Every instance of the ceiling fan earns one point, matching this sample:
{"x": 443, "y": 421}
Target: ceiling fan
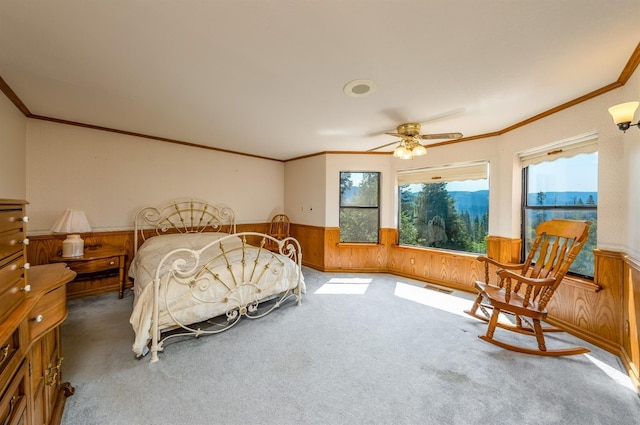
{"x": 411, "y": 145}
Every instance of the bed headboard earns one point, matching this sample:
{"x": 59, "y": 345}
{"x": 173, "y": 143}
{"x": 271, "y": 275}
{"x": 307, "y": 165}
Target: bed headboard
{"x": 191, "y": 216}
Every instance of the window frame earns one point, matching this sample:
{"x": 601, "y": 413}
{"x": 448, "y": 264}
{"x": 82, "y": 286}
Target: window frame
{"x": 584, "y": 144}
{"x": 342, "y": 207}
{"x": 454, "y": 172}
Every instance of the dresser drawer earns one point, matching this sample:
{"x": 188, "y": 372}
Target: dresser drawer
{"x": 11, "y": 242}
{"x": 12, "y": 285}
{"x": 10, "y": 356}
{"x": 96, "y": 265}
{"x": 49, "y": 311}
{"x": 13, "y": 404}
{"x": 11, "y": 219}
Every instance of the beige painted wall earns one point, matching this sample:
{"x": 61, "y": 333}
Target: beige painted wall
{"x": 305, "y": 189}
{"x": 13, "y": 134}
{"x": 631, "y": 161}
{"x": 586, "y": 117}
{"x": 111, "y": 176}
{"x": 618, "y": 171}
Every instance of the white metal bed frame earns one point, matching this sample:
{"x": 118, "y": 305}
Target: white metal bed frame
{"x": 186, "y": 267}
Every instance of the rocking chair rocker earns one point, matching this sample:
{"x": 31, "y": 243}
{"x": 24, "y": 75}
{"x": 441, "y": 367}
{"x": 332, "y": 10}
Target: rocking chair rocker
{"x": 524, "y": 290}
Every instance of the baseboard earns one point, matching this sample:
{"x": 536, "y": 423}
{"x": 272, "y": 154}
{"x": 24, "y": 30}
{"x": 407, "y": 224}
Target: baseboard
{"x": 589, "y": 337}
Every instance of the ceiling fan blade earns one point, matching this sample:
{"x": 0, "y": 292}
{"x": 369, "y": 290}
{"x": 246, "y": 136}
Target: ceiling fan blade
{"x": 399, "y": 135}
{"x": 443, "y": 115}
{"x": 384, "y": 146}
{"x": 396, "y": 114}
{"x": 401, "y": 116}
{"x": 441, "y": 136}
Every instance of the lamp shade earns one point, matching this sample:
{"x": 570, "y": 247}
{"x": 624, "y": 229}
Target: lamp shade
{"x": 623, "y": 112}
{"x": 72, "y": 221}
{"x": 419, "y": 150}
{"x": 400, "y": 152}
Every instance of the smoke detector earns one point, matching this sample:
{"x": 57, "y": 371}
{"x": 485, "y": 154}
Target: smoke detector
{"x": 359, "y": 88}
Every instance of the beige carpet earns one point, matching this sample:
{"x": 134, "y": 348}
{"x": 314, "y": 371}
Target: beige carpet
{"x": 386, "y": 351}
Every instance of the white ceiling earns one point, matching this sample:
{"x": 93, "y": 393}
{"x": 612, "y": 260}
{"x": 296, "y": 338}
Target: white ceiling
{"x": 266, "y": 77}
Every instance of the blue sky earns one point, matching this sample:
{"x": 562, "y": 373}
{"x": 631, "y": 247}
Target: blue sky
{"x": 578, "y": 173}
{"x": 575, "y": 174}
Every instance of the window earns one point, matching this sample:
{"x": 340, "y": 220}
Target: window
{"x": 359, "y": 207}
{"x": 445, "y": 207}
{"x": 562, "y": 182}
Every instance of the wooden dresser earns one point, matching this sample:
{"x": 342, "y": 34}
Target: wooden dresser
{"x": 32, "y": 307}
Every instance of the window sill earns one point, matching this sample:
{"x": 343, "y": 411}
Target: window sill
{"x": 440, "y": 251}
{"x": 583, "y": 283}
{"x": 358, "y": 245}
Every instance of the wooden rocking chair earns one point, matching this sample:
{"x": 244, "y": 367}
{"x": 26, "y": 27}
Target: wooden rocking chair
{"x": 279, "y": 229}
{"x": 524, "y": 290}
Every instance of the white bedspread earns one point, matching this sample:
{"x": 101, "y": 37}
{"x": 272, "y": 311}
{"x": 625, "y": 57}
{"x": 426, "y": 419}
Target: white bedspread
{"x": 197, "y": 298}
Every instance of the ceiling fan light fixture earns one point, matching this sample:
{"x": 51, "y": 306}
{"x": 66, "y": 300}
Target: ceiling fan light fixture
{"x": 409, "y": 150}
{"x": 410, "y": 144}
{"x": 401, "y": 152}
{"x": 419, "y": 150}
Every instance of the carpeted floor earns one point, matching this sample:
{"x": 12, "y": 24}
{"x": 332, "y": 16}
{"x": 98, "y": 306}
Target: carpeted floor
{"x": 386, "y": 351}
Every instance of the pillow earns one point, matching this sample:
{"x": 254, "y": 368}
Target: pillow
{"x": 168, "y": 243}
{"x": 154, "y": 248}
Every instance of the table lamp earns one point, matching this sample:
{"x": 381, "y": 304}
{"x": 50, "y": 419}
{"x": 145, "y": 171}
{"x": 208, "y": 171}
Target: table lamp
{"x": 72, "y": 222}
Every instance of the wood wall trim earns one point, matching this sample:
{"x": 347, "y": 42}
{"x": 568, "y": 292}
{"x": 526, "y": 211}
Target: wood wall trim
{"x": 631, "y": 66}
{"x": 13, "y": 97}
{"x": 626, "y": 73}
{"x": 146, "y": 136}
{"x": 632, "y": 262}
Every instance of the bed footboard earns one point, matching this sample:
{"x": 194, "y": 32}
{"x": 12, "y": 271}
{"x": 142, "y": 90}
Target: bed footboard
{"x": 206, "y": 291}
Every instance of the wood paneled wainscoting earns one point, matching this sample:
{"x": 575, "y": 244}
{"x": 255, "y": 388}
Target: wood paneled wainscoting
{"x": 605, "y": 311}
{"x": 631, "y": 319}
{"x": 42, "y": 248}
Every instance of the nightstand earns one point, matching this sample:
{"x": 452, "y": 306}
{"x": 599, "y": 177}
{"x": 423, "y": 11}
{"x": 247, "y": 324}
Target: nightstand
{"x": 97, "y": 263}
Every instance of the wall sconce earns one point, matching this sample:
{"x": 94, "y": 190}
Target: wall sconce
{"x": 72, "y": 221}
{"x": 623, "y": 115}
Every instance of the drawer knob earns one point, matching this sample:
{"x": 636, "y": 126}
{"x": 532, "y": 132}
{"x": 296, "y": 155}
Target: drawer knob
{"x": 27, "y": 288}
{"x": 25, "y": 241}
{"x": 26, "y": 266}
{"x": 39, "y": 318}
{"x": 24, "y": 219}
{"x": 111, "y": 263}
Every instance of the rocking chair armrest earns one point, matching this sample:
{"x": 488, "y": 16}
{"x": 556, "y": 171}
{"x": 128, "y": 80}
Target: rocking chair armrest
{"x": 505, "y": 274}
{"x": 507, "y": 266}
